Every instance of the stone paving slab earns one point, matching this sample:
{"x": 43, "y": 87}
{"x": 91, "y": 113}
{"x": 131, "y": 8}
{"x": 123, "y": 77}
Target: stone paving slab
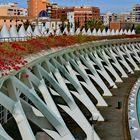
{"x": 115, "y": 126}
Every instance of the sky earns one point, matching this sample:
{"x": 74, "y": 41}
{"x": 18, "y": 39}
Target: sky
{"x": 104, "y": 5}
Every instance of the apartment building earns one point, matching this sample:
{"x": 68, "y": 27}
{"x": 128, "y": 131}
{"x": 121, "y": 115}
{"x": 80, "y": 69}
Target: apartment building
{"x": 81, "y": 13}
{"x": 116, "y": 17}
{"x": 12, "y": 9}
{"x": 136, "y": 13}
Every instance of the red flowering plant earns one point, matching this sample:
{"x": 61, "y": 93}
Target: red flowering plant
{"x": 11, "y": 57}
{"x": 12, "y": 54}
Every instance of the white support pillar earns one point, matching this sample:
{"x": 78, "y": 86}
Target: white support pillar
{"x": 56, "y": 122}
{"x": 22, "y": 122}
{"x": 80, "y": 94}
{"x": 116, "y": 63}
{"x": 43, "y": 89}
{"x": 38, "y": 118}
{"x": 73, "y": 109}
{"x": 48, "y": 99}
{"x": 130, "y": 59}
{"x": 87, "y": 84}
{"x": 135, "y": 52}
{"x": 102, "y": 70}
{"x": 83, "y": 123}
{"x": 3, "y": 134}
{"x": 16, "y": 110}
{"x": 109, "y": 67}
{"x": 123, "y": 61}
{"x": 95, "y": 76}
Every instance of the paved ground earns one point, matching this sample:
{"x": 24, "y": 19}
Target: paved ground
{"x": 115, "y": 126}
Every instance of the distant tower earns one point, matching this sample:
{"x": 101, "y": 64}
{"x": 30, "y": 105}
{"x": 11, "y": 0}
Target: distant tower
{"x": 36, "y": 6}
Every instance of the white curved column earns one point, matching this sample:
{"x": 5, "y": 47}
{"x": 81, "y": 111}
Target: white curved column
{"x": 88, "y": 84}
{"x": 16, "y": 110}
{"x": 56, "y": 122}
{"x": 116, "y": 63}
{"x": 102, "y": 70}
{"x": 135, "y": 52}
{"x": 3, "y": 134}
{"x": 13, "y": 32}
{"x": 109, "y": 67}
{"x": 73, "y": 109}
{"x": 82, "y": 96}
{"x": 123, "y": 61}
{"x": 130, "y": 59}
{"x": 95, "y": 75}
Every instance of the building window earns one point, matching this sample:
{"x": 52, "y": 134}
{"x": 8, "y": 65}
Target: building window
{"x": 10, "y": 9}
{"x": 52, "y": 25}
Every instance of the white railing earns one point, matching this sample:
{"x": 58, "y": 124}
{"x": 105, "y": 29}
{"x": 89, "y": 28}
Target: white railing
{"x": 134, "y": 125}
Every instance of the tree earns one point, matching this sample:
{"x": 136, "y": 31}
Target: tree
{"x": 26, "y": 24}
{"x": 77, "y": 24}
{"x": 95, "y": 24}
{"x": 68, "y": 26}
{"x": 63, "y": 19}
{"x": 137, "y": 28}
{"x": 86, "y": 22}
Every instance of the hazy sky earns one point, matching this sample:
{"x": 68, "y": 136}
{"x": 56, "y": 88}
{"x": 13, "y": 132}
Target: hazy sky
{"x": 104, "y": 5}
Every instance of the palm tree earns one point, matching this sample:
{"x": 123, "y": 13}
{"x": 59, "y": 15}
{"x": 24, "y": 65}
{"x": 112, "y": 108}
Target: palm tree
{"x": 77, "y": 24}
{"x": 63, "y": 19}
{"x": 95, "y": 24}
{"x": 26, "y": 24}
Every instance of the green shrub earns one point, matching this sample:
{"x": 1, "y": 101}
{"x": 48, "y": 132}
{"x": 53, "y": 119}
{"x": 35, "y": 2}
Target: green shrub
{"x": 137, "y": 29}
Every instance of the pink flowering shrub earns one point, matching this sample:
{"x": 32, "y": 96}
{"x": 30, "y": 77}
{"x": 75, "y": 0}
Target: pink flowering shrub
{"x": 12, "y": 54}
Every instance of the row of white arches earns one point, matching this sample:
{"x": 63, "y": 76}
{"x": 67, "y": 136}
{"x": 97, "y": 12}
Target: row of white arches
{"x": 12, "y": 32}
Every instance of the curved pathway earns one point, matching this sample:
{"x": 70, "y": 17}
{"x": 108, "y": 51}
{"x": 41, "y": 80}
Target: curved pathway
{"x": 115, "y": 126}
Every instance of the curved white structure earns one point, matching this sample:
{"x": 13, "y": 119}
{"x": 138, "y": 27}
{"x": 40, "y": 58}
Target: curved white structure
{"x": 134, "y": 126}
{"x": 29, "y": 31}
{"x": 94, "y": 32}
{"x": 83, "y": 31}
{"x": 89, "y": 32}
{"x": 37, "y": 31}
{"x": 13, "y": 32}
{"x": 99, "y": 33}
{"x": 66, "y": 31}
{"x": 69, "y": 75}
{"x": 77, "y": 31}
{"x": 22, "y": 32}
{"x": 5, "y": 32}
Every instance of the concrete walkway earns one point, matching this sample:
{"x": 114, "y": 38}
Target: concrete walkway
{"x": 115, "y": 126}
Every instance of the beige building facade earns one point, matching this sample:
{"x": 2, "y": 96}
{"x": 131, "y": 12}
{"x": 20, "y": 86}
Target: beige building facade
{"x": 12, "y": 9}
{"x": 136, "y": 13}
